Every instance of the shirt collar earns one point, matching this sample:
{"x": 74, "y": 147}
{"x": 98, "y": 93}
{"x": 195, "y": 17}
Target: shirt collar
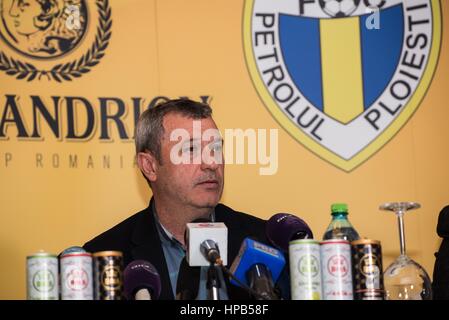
{"x": 167, "y": 235}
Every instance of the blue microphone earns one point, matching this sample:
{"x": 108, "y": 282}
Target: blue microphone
{"x": 258, "y": 266}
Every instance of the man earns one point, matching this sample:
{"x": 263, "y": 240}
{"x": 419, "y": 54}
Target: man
{"x": 179, "y": 151}
{"x": 440, "y": 285}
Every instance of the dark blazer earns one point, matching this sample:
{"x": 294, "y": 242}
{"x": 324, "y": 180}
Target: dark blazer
{"x": 137, "y": 238}
{"x": 440, "y": 283}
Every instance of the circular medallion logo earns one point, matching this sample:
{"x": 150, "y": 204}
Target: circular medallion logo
{"x": 43, "y": 28}
{"x": 338, "y": 266}
{"x": 44, "y": 39}
{"x": 44, "y": 281}
{"x": 368, "y": 266}
{"x": 308, "y": 266}
{"x": 77, "y": 279}
{"x": 110, "y": 278}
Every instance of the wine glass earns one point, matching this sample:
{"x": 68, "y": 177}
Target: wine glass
{"x": 405, "y": 279}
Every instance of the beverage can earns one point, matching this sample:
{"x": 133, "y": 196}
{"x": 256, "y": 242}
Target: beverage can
{"x": 305, "y": 269}
{"x": 76, "y": 276}
{"x": 336, "y": 270}
{"x": 108, "y": 275}
{"x": 367, "y": 268}
{"x": 42, "y": 276}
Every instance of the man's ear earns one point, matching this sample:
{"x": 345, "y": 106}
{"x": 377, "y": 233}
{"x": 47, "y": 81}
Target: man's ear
{"x": 148, "y": 164}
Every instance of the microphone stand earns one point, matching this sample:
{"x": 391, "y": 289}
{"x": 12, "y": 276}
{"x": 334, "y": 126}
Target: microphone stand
{"x": 213, "y": 283}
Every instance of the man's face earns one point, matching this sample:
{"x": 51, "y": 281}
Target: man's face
{"x": 24, "y": 14}
{"x": 198, "y": 180}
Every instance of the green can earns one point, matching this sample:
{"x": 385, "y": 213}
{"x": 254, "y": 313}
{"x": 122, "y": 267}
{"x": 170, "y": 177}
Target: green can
{"x": 305, "y": 269}
{"x": 42, "y": 276}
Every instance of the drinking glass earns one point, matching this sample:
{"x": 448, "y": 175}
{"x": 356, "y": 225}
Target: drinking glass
{"x": 405, "y": 279}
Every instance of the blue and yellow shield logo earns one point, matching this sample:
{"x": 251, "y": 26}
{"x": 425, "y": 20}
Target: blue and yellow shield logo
{"x": 342, "y": 76}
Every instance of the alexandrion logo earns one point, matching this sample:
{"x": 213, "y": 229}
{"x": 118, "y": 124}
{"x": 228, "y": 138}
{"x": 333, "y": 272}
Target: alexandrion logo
{"x": 46, "y": 37}
{"x": 339, "y": 83}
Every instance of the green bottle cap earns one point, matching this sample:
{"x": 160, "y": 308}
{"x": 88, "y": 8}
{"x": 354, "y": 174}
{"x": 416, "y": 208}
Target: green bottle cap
{"x": 339, "y": 207}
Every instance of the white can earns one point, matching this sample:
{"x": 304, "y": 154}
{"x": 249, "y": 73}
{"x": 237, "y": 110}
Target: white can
{"x": 305, "y": 269}
{"x": 76, "y": 276}
{"x": 336, "y": 269}
{"x": 42, "y": 276}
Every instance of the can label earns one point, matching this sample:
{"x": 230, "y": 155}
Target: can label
{"x": 76, "y": 277}
{"x": 305, "y": 270}
{"x": 42, "y": 277}
{"x": 336, "y": 270}
{"x": 367, "y": 267}
{"x": 108, "y": 270}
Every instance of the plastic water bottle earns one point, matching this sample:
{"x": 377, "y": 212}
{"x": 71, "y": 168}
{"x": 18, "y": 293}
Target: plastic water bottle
{"x": 340, "y": 227}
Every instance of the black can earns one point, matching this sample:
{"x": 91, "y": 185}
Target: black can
{"x": 367, "y": 270}
{"x": 108, "y": 275}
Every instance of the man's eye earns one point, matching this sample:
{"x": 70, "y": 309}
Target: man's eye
{"x": 190, "y": 149}
{"x": 217, "y": 147}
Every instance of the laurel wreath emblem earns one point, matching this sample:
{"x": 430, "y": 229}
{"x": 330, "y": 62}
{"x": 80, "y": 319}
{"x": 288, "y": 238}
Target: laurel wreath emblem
{"x": 69, "y": 70}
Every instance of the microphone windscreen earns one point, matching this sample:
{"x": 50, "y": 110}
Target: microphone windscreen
{"x": 140, "y": 274}
{"x": 188, "y": 282}
{"x": 284, "y": 227}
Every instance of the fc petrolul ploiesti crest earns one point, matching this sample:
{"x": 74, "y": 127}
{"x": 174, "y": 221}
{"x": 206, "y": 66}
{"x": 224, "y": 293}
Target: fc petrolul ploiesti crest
{"x": 53, "y": 39}
{"x": 342, "y": 76}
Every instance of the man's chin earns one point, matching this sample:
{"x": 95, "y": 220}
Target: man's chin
{"x": 209, "y": 203}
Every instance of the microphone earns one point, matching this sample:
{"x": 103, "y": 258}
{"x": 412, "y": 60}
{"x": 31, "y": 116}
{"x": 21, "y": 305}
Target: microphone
{"x": 210, "y": 251}
{"x": 258, "y": 266}
{"x": 207, "y": 243}
{"x": 188, "y": 282}
{"x": 284, "y": 227}
{"x": 208, "y": 237}
{"x": 141, "y": 281}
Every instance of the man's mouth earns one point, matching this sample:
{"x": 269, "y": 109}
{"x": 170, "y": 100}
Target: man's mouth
{"x": 211, "y": 183}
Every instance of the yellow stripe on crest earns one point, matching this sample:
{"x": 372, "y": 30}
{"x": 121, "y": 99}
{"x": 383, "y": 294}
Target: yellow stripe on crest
{"x": 341, "y": 63}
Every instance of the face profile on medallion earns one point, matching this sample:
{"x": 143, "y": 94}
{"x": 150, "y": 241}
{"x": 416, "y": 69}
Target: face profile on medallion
{"x": 43, "y": 28}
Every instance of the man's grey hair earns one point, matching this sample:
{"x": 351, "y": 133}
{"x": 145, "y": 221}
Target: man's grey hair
{"x": 150, "y": 129}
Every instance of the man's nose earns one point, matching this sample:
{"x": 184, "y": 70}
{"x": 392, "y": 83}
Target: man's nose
{"x": 209, "y": 162}
{"x": 14, "y": 10}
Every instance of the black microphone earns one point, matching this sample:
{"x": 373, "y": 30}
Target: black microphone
{"x": 284, "y": 227}
{"x": 210, "y": 251}
{"x": 261, "y": 281}
{"x": 188, "y": 282}
{"x": 141, "y": 281}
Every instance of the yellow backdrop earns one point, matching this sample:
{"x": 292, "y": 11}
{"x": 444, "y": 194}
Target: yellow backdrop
{"x": 55, "y": 192}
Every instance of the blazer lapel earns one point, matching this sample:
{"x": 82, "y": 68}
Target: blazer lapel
{"x": 146, "y": 245}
